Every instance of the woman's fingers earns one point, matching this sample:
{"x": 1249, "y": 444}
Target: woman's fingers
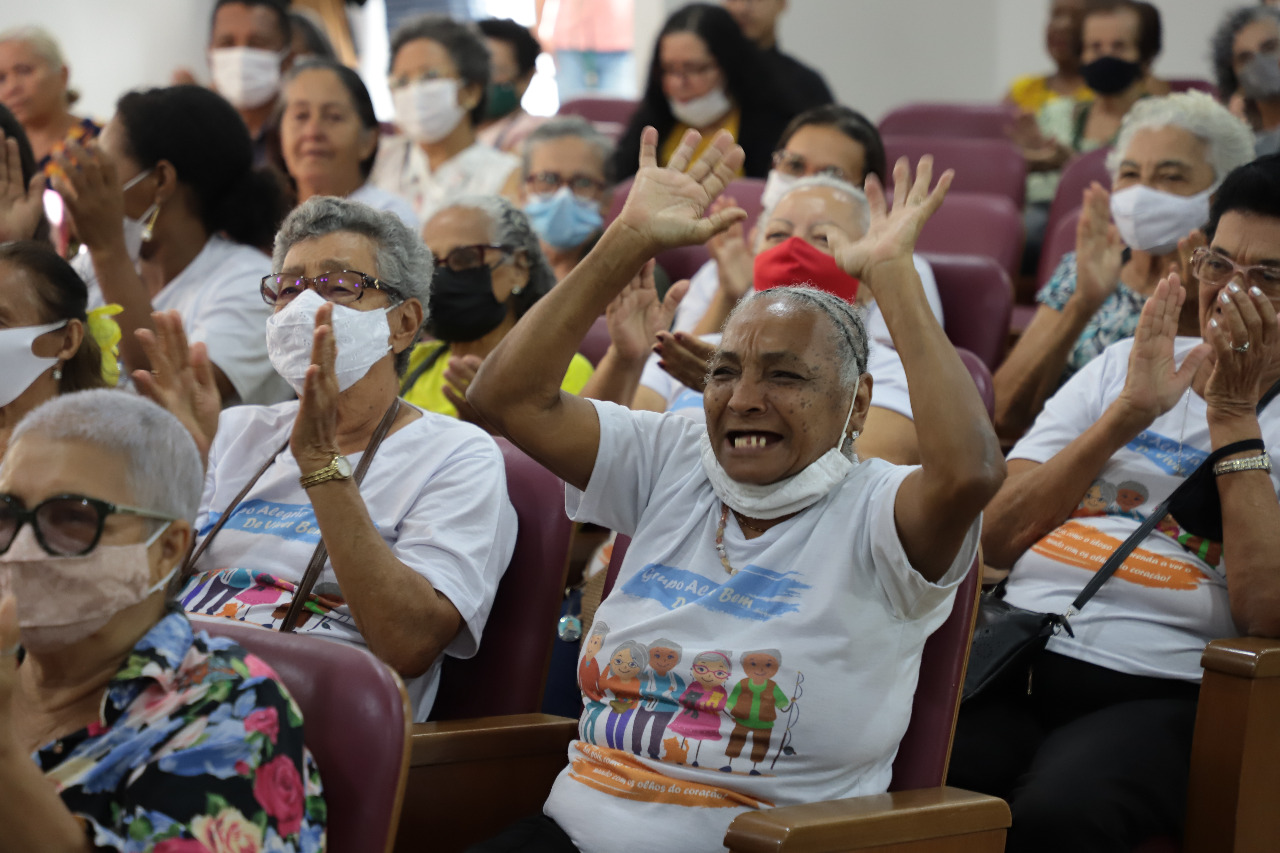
{"x": 684, "y": 151}
{"x": 648, "y": 147}
{"x": 901, "y": 182}
{"x": 876, "y": 202}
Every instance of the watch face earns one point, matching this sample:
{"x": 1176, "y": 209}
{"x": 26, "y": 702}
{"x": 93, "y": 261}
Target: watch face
{"x": 343, "y": 466}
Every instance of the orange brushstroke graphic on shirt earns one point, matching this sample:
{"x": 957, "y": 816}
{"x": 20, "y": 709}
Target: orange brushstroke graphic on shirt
{"x": 623, "y": 775}
{"x": 1084, "y": 547}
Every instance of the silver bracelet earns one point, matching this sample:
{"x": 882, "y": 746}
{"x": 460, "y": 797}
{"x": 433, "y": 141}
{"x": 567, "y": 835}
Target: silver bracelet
{"x": 1261, "y": 462}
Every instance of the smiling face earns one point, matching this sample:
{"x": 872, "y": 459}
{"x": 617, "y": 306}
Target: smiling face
{"x": 688, "y": 69}
{"x": 1128, "y": 499}
{"x": 624, "y": 665}
{"x": 774, "y": 401}
{"x": 321, "y": 135}
{"x": 760, "y": 667}
{"x": 32, "y": 89}
{"x": 662, "y": 660}
{"x": 711, "y": 673}
{"x": 1247, "y": 239}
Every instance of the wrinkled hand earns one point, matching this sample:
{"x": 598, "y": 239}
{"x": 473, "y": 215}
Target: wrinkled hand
{"x": 636, "y": 315}
{"x": 314, "y": 439}
{"x": 685, "y": 357}
{"x": 90, "y": 188}
{"x": 1248, "y": 319}
{"x": 458, "y": 376}
{"x": 734, "y": 263}
{"x": 181, "y": 378}
{"x": 893, "y": 232}
{"x": 666, "y": 203}
{"x": 21, "y": 204}
{"x": 1040, "y": 151}
{"x": 1154, "y": 383}
{"x": 1099, "y": 250}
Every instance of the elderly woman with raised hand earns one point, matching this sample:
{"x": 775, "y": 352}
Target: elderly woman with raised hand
{"x": 121, "y": 728}
{"x": 173, "y": 216}
{"x": 1173, "y": 152}
{"x": 329, "y": 136}
{"x": 439, "y": 83}
{"x": 33, "y": 85}
{"x": 1096, "y": 754}
{"x": 789, "y": 555}
{"x": 415, "y": 549}
{"x": 1246, "y": 62}
{"x": 51, "y": 344}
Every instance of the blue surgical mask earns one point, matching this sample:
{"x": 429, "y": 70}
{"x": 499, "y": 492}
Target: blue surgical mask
{"x": 562, "y": 219}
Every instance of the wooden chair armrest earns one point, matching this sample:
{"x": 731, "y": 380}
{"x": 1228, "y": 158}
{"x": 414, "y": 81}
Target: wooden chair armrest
{"x": 1243, "y": 657}
{"x": 484, "y": 738}
{"x": 930, "y": 819}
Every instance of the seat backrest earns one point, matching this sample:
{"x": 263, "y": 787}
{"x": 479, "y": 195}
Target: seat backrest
{"x": 522, "y": 623}
{"x": 596, "y": 343}
{"x": 1058, "y": 242}
{"x": 972, "y": 121}
{"x": 609, "y": 115}
{"x": 683, "y": 262}
{"x": 1191, "y": 84}
{"x": 926, "y": 746}
{"x": 355, "y": 722}
{"x": 981, "y": 378}
{"x": 993, "y": 166}
{"x": 977, "y": 300}
{"x": 976, "y": 224}
{"x": 1077, "y": 175}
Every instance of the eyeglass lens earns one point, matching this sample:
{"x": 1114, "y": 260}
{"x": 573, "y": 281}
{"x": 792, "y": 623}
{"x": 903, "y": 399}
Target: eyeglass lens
{"x": 65, "y": 526}
{"x": 339, "y": 287}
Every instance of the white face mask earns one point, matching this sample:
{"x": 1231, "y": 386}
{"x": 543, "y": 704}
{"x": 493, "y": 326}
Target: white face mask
{"x": 247, "y": 77}
{"x": 784, "y": 497}
{"x": 138, "y": 231}
{"x": 1154, "y": 221}
{"x": 776, "y": 186}
{"x": 62, "y": 600}
{"x": 428, "y": 110}
{"x": 703, "y": 110}
{"x": 21, "y": 365}
{"x": 362, "y": 338}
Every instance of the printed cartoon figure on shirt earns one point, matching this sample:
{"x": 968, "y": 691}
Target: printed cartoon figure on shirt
{"x": 1206, "y": 549}
{"x": 589, "y": 681}
{"x": 1129, "y": 496}
{"x": 659, "y": 695}
{"x": 1097, "y": 500}
{"x": 225, "y": 591}
{"x": 702, "y": 702}
{"x": 621, "y": 684}
{"x": 754, "y": 705}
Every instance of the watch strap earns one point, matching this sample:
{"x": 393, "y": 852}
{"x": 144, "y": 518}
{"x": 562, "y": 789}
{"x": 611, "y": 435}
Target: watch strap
{"x": 1261, "y": 462}
{"x": 322, "y": 475}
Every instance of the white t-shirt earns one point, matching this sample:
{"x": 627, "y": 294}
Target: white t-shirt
{"x": 706, "y": 281}
{"x": 218, "y": 295}
{"x": 380, "y": 199}
{"x": 1157, "y": 613}
{"x": 829, "y": 595}
{"x": 402, "y": 168}
{"x": 436, "y": 490}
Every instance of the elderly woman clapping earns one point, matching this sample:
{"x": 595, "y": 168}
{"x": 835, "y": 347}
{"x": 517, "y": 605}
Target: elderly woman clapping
{"x": 120, "y": 727}
{"x": 758, "y": 536}
{"x": 415, "y": 550}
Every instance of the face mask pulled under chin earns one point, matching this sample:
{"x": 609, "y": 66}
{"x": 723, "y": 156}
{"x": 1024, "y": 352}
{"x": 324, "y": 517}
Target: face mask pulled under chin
{"x": 1154, "y": 221}
{"x": 63, "y": 600}
{"x": 703, "y": 110}
{"x": 22, "y": 366}
{"x": 139, "y": 231}
{"x": 247, "y": 77}
{"x": 363, "y": 338}
{"x": 784, "y": 497}
{"x": 794, "y": 261}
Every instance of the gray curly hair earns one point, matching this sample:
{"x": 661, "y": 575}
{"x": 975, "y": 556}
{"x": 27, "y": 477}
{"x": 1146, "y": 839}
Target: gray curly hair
{"x": 1222, "y": 45}
{"x": 510, "y": 227}
{"x": 1228, "y": 140}
{"x": 405, "y": 265}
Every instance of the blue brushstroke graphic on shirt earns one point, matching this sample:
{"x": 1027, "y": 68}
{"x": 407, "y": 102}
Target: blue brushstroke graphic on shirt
{"x": 287, "y": 521}
{"x": 1165, "y": 452}
{"x": 753, "y": 593}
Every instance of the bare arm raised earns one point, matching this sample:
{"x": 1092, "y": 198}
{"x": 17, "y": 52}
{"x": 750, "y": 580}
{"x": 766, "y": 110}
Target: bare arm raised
{"x": 518, "y": 389}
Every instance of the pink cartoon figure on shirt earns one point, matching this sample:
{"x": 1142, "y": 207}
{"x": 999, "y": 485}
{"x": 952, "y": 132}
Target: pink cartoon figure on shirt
{"x": 703, "y": 701}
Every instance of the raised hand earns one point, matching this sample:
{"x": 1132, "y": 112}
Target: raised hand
{"x": 1099, "y": 250}
{"x": 458, "y": 376}
{"x": 1246, "y": 347}
{"x": 685, "y": 357}
{"x": 181, "y": 378}
{"x": 730, "y": 252}
{"x": 636, "y": 315}
{"x": 21, "y": 204}
{"x": 90, "y": 188}
{"x": 893, "y": 232}
{"x": 314, "y": 439}
{"x": 1041, "y": 152}
{"x": 666, "y": 203}
{"x": 1154, "y": 382}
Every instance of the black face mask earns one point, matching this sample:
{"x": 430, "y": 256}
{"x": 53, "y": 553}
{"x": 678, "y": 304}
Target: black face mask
{"x": 1110, "y": 75}
{"x": 463, "y": 307}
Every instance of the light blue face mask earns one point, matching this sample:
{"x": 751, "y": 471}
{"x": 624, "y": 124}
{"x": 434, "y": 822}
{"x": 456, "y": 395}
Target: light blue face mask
{"x": 563, "y": 220}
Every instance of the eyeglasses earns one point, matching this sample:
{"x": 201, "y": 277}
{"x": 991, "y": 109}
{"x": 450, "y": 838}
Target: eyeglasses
{"x": 465, "y": 258}
{"x": 684, "y": 72}
{"x": 402, "y": 80}
{"x": 1214, "y": 269}
{"x": 545, "y": 183}
{"x": 65, "y": 525}
{"x": 798, "y": 167}
{"x": 342, "y": 287}
{"x": 703, "y": 669}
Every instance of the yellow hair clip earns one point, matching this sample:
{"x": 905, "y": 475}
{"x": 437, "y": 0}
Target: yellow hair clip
{"x": 107, "y": 333}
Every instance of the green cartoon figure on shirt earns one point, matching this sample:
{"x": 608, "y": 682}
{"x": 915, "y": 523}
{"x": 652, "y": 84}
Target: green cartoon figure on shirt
{"x": 754, "y": 705}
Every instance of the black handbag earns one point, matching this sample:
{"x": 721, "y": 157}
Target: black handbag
{"x": 1007, "y": 639}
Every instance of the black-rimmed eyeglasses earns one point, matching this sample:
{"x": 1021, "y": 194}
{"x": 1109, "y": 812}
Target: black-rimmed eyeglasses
{"x": 65, "y": 525}
{"x": 342, "y": 287}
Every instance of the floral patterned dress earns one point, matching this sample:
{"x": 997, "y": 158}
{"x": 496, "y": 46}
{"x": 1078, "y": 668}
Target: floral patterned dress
{"x": 198, "y": 749}
{"x": 1116, "y": 320}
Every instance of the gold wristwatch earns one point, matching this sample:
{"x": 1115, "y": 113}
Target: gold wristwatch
{"x": 337, "y": 469}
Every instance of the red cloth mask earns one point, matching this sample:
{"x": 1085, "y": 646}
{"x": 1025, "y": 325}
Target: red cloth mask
{"x": 793, "y": 261}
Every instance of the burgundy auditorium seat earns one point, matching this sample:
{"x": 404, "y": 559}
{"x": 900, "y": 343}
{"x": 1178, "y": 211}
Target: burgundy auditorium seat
{"x": 994, "y": 166}
{"x": 1191, "y": 84}
{"x": 609, "y": 115}
{"x": 976, "y": 224}
{"x": 1079, "y": 173}
{"x": 977, "y": 298}
{"x": 972, "y": 121}
{"x": 981, "y": 378}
